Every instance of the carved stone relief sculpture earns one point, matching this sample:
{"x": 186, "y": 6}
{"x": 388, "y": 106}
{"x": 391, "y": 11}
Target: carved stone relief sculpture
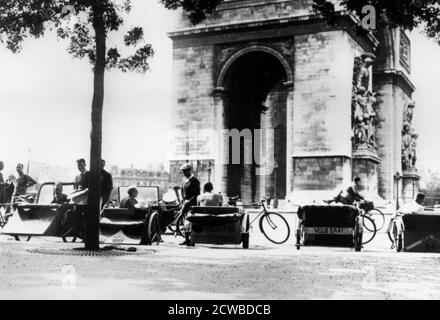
{"x": 363, "y": 102}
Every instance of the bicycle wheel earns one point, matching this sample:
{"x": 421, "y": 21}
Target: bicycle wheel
{"x": 22, "y": 238}
{"x": 378, "y": 218}
{"x": 391, "y": 231}
{"x": 371, "y": 230}
{"x": 179, "y": 226}
{"x": 275, "y": 228}
{"x": 153, "y": 229}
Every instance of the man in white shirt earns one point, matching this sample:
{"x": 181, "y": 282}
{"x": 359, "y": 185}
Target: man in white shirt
{"x": 414, "y": 207}
{"x": 208, "y": 198}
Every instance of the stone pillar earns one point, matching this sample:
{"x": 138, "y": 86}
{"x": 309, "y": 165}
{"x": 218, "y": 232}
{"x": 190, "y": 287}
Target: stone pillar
{"x": 222, "y": 156}
{"x": 365, "y": 166}
{"x": 410, "y": 187}
{"x": 394, "y": 91}
{"x": 290, "y": 135}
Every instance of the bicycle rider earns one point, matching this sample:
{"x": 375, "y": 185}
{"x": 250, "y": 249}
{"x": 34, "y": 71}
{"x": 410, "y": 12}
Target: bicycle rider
{"x": 351, "y": 195}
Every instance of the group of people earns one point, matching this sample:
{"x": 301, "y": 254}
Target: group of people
{"x": 13, "y": 188}
{"x": 83, "y": 178}
{"x": 191, "y": 193}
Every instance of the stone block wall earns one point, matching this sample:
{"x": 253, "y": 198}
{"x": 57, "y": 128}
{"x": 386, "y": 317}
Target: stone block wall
{"x": 317, "y": 174}
{"x": 193, "y": 86}
{"x": 322, "y": 94}
{"x": 231, "y": 12}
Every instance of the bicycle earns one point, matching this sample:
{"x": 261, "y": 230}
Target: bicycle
{"x": 273, "y": 225}
{"x": 395, "y": 232}
{"x": 179, "y": 218}
{"x": 376, "y": 215}
{"x": 368, "y": 223}
{"x": 367, "y": 209}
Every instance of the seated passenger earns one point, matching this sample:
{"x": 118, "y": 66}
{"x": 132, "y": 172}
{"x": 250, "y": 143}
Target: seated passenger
{"x": 208, "y": 198}
{"x": 130, "y": 202}
{"x": 59, "y": 196}
{"x": 414, "y": 207}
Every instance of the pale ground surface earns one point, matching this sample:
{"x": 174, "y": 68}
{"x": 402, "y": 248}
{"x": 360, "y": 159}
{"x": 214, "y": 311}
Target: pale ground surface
{"x": 264, "y": 271}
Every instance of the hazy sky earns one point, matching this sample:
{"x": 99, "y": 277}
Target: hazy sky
{"x": 45, "y": 100}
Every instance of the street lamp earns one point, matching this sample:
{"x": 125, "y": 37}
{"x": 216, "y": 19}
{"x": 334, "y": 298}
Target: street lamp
{"x": 209, "y": 171}
{"x": 397, "y": 177}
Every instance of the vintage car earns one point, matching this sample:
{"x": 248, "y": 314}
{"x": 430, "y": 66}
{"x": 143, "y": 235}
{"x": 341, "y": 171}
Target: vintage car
{"x": 218, "y": 225}
{"x": 329, "y": 225}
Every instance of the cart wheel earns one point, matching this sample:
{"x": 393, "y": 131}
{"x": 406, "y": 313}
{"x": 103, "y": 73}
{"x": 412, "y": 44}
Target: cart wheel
{"x": 245, "y": 240}
{"x": 358, "y": 242}
{"x": 245, "y": 235}
{"x": 399, "y": 243}
{"x": 153, "y": 229}
{"x": 298, "y": 240}
{"x": 358, "y": 235}
{"x": 188, "y": 240}
{"x": 179, "y": 226}
{"x": 70, "y": 239}
{"x": 22, "y": 238}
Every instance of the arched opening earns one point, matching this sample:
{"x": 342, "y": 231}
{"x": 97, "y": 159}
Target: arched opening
{"x": 255, "y": 97}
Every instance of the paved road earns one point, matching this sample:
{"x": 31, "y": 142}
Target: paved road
{"x": 170, "y": 271}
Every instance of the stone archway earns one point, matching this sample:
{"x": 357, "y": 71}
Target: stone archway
{"x": 254, "y": 97}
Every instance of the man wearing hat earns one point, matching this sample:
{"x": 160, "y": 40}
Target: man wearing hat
{"x": 190, "y": 190}
{"x": 191, "y": 186}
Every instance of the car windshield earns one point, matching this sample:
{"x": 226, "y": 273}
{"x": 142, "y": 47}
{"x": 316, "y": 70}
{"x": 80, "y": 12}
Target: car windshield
{"x": 47, "y": 192}
{"x": 147, "y": 195}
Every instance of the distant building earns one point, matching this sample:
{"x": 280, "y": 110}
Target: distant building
{"x": 124, "y": 177}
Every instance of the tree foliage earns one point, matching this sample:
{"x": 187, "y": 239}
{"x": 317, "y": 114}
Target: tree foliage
{"x": 405, "y": 14}
{"x": 72, "y": 20}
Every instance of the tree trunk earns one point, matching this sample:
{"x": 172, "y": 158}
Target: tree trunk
{"x": 93, "y": 205}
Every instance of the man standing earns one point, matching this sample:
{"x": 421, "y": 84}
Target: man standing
{"x": 190, "y": 192}
{"x": 106, "y": 185}
{"x": 82, "y": 180}
{"x": 23, "y": 182}
{"x": 191, "y": 186}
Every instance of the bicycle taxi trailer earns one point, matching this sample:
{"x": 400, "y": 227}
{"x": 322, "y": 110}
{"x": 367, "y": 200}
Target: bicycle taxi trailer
{"x": 329, "y": 226}
{"x": 417, "y": 233}
{"x": 218, "y": 225}
{"x": 119, "y": 226}
{"x": 42, "y": 218}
